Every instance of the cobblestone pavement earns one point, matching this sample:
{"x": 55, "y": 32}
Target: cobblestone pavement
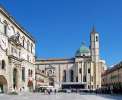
{"x": 59, "y": 96}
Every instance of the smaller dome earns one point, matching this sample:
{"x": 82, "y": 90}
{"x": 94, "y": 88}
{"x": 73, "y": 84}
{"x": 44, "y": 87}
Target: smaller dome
{"x": 83, "y": 50}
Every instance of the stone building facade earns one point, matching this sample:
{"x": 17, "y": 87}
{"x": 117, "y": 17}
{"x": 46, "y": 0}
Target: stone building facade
{"x": 17, "y": 55}
{"x": 112, "y": 79}
{"x": 82, "y": 71}
{"x": 41, "y": 79}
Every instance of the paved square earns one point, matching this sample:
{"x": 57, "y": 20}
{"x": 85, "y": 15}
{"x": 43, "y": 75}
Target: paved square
{"x": 59, "y": 96}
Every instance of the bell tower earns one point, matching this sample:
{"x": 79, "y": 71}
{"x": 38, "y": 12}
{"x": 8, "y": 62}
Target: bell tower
{"x": 94, "y": 47}
{"x": 94, "y": 44}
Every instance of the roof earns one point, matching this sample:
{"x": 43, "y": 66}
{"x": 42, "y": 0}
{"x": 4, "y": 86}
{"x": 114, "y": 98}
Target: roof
{"x": 55, "y": 59}
{"x": 83, "y": 49}
{"x": 114, "y": 68}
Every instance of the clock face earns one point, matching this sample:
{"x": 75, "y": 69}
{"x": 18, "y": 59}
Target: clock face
{"x": 3, "y": 42}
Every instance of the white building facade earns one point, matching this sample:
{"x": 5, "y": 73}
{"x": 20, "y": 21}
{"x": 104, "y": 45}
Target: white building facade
{"x": 17, "y": 56}
{"x": 80, "y": 72}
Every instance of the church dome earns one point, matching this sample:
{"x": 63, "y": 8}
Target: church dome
{"x": 83, "y": 50}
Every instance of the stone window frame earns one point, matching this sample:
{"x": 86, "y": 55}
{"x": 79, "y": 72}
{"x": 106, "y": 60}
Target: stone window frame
{"x": 28, "y": 45}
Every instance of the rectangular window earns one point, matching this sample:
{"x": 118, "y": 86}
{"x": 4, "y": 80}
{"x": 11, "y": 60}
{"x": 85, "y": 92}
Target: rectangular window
{"x": 23, "y": 43}
{"x": 31, "y": 48}
{"x": 80, "y": 70}
{"x": 23, "y": 74}
{"x": 89, "y": 70}
{"x": 84, "y": 78}
{"x": 96, "y": 38}
{"x": 1, "y": 27}
{"x": 12, "y": 50}
{"x": 5, "y": 29}
{"x": 28, "y": 57}
{"x": 77, "y": 79}
{"x": 92, "y": 78}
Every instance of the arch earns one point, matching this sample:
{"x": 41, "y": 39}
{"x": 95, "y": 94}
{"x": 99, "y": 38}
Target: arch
{"x": 71, "y": 75}
{"x": 15, "y": 78}
{"x": 51, "y": 81}
{"x": 30, "y": 85}
{"x": 3, "y": 84}
{"x": 64, "y": 76}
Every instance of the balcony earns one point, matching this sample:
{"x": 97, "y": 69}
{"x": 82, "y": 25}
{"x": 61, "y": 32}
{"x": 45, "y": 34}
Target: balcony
{"x": 15, "y": 40}
{"x": 12, "y": 57}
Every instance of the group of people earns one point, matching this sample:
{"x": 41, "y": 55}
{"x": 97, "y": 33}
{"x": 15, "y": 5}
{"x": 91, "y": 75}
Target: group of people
{"x": 49, "y": 91}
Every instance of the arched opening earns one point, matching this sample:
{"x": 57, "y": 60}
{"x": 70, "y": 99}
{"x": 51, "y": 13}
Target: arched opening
{"x": 3, "y": 84}
{"x": 51, "y": 81}
{"x": 71, "y": 75}
{"x": 30, "y": 85}
{"x": 15, "y": 78}
{"x": 64, "y": 76}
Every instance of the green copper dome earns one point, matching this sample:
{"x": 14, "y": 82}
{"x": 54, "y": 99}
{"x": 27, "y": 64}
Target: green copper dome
{"x": 82, "y": 50}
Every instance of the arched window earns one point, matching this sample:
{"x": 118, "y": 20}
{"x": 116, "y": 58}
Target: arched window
{"x": 96, "y": 38}
{"x": 71, "y": 75}
{"x": 28, "y": 45}
{"x": 3, "y": 64}
{"x": 64, "y": 76}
